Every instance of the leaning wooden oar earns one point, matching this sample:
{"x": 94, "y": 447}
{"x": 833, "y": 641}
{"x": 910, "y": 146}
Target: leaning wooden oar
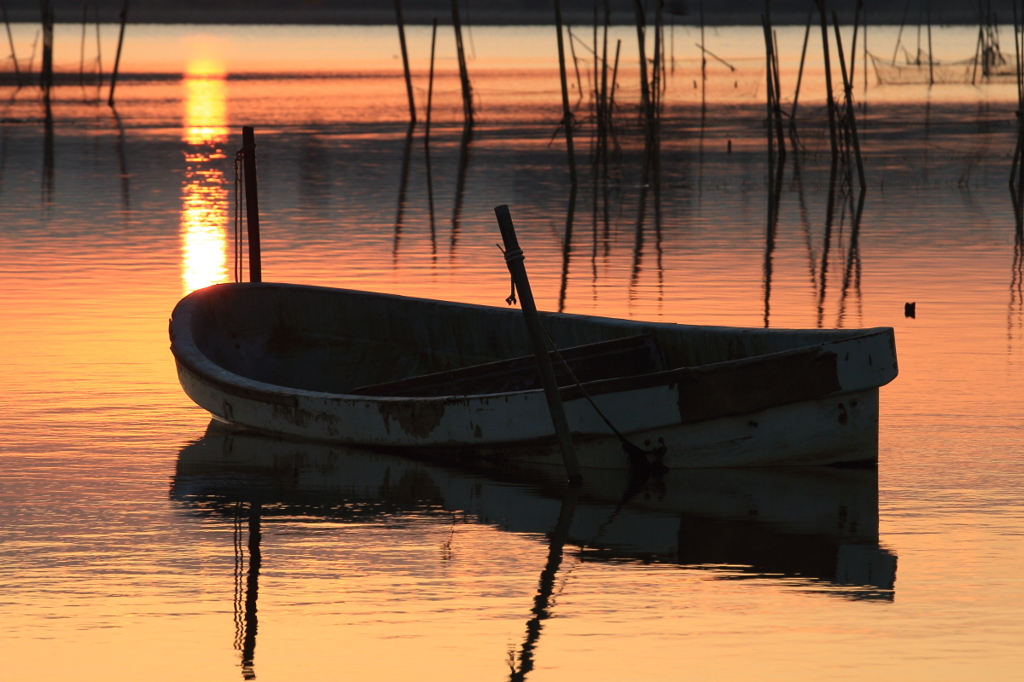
{"x": 514, "y": 259}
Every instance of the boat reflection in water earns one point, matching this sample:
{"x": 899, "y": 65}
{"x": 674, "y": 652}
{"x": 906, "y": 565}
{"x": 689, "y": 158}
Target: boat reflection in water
{"x": 811, "y": 526}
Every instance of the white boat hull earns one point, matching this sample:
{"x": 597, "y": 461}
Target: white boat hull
{"x": 808, "y": 405}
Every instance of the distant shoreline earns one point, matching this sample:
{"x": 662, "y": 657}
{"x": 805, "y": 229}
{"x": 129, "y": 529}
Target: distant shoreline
{"x": 310, "y": 14}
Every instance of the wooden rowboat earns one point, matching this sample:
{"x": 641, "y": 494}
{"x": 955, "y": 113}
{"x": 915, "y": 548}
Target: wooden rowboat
{"x": 459, "y": 381}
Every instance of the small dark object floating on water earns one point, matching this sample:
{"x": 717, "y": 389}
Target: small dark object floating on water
{"x": 910, "y": 310}
{"x": 458, "y": 381}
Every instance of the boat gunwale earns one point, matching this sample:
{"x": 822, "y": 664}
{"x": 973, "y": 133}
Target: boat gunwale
{"x": 187, "y": 353}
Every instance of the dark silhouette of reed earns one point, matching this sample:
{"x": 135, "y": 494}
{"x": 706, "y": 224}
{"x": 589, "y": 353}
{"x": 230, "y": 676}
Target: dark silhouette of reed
{"x": 793, "y": 136}
{"x": 10, "y": 41}
{"x": 99, "y": 53}
{"x": 849, "y": 120}
{"x": 646, "y": 108}
{"x": 46, "y": 74}
{"x": 567, "y": 117}
{"x": 81, "y": 49}
{"x": 773, "y": 90}
{"x": 117, "y": 59}
{"x": 833, "y": 135}
{"x": 405, "y": 60}
{"x": 467, "y": 90}
{"x": 426, "y": 143}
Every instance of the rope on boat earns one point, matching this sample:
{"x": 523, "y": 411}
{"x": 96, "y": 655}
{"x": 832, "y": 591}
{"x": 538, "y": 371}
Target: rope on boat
{"x": 640, "y": 461}
{"x": 239, "y": 203}
{"x": 512, "y": 256}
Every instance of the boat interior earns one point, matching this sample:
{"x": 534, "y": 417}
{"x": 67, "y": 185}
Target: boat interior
{"x": 354, "y": 342}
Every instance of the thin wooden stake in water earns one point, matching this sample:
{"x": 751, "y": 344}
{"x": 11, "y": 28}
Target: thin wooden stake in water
{"x": 467, "y": 92}
{"x": 46, "y": 80}
{"x": 703, "y": 62}
{"x": 252, "y": 206}
{"x": 14, "y": 56}
{"x": 566, "y": 110}
{"x": 81, "y": 54}
{"x": 645, "y": 95}
{"x": 405, "y": 61}
{"x": 516, "y": 267}
{"x": 828, "y": 80}
{"x": 99, "y": 53}
{"x": 117, "y": 59}
{"x": 430, "y": 85}
{"x": 848, "y": 89}
{"x": 931, "y": 73}
{"x": 800, "y": 72}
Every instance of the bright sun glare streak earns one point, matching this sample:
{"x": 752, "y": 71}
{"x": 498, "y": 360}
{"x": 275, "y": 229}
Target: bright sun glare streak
{"x": 204, "y": 219}
{"x": 205, "y": 103}
{"x": 204, "y": 213}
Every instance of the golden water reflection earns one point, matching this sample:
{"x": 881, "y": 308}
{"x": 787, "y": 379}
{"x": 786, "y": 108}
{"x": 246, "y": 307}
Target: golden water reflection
{"x": 204, "y": 212}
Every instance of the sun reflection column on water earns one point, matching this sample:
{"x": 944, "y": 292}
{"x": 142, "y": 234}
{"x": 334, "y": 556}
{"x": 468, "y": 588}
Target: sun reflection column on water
{"x": 204, "y": 211}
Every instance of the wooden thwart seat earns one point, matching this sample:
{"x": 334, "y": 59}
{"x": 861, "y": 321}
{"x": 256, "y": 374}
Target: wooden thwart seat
{"x": 630, "y": 356}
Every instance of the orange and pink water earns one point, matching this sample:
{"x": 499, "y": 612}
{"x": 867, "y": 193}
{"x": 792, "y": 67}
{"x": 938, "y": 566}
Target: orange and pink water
{"x": 105, "y": 222}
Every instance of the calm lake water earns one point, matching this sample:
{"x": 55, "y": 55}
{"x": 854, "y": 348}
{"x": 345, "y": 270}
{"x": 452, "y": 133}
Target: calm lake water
{"x": 131, "y": 535}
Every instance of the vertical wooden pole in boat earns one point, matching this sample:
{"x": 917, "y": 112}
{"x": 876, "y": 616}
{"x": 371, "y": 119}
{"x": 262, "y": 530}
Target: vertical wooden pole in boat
{"x": 252, "y": 206}
{"x": 117, "y": 59}
{"x": 514, "y": 260}
{"x": 566, "y": 110}
{"x": 405, "y": 60}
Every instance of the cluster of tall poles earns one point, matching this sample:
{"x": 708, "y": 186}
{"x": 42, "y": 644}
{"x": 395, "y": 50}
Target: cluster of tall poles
{"x": 843, "y": 137}
{"x": 46, "y": 73}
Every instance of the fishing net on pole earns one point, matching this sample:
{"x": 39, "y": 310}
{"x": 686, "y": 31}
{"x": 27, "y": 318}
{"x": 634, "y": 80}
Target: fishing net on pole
{"x": 916, "y": 71}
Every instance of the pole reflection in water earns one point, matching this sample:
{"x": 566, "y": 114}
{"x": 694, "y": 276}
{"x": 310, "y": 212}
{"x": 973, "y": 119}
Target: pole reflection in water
{"x": 827, "y": 241}
{"x": 546, "y": 587}
{"x": 48, "y": 160}
{"x": 776, "y": 168}
{"x": 430, "y": 193}
{"x": 460, "y": 186}
{"x": 122, "y": 163}
{"x": 567, "y": 248}
{"x": 247, "y": 584}
{"x": 403, "y": 185}
{"x": 204, "y": 213}
{"x": 1015, "y": 312}
{"x": 809, "y": 528}
{"x": 851, "y": 274}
